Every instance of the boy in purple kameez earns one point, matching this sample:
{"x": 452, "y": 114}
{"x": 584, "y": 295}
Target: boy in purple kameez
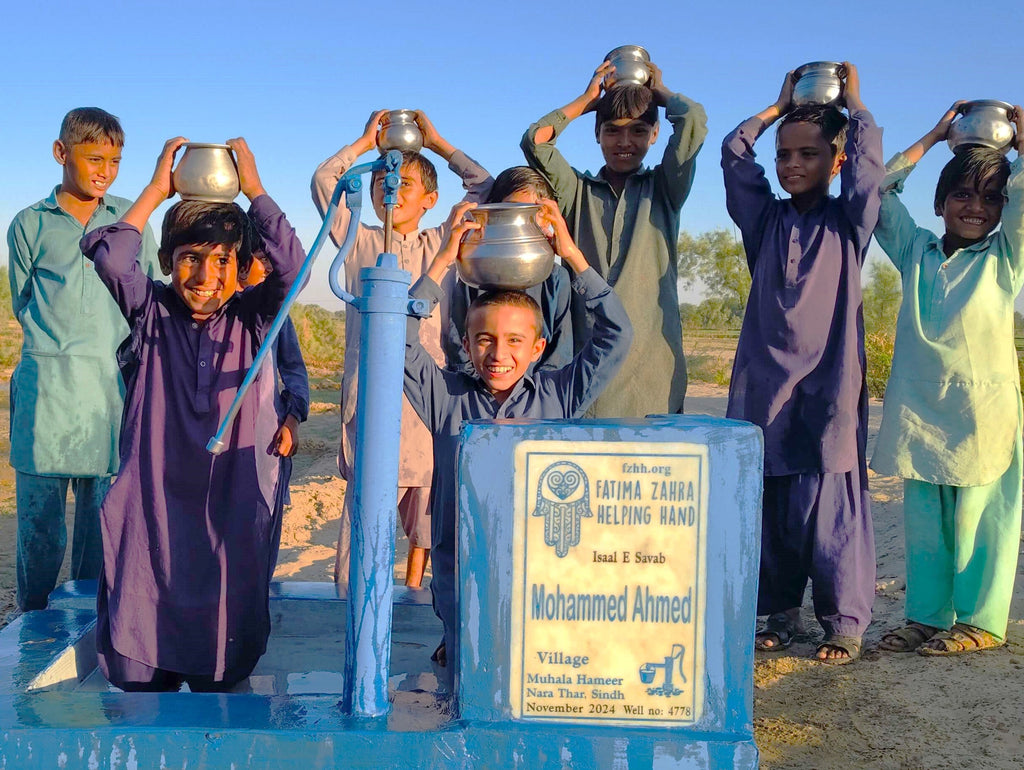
{"x": 188, "y": 536}
{"x": 799, "y": 370}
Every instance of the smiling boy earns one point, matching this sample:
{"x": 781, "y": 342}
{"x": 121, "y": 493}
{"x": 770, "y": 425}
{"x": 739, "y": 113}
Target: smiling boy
{"x": 503, "y": 337}
{"x": 66, "y": 394}
{"x": 799, "y": 369}
{"x": 626, "y": 222}
{"x": 188, "y": 537}
{"x": 414, "y": 248}
{"x": 951, "y": 426}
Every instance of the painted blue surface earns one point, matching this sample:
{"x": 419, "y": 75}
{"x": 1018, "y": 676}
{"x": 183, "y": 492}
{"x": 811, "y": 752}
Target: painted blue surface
{"x": 382, "y": 310}
{"x": 486, "y": 499}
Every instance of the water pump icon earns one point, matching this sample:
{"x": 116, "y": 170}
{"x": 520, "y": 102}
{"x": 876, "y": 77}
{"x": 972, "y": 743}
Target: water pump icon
{"x": 647, "y": 672}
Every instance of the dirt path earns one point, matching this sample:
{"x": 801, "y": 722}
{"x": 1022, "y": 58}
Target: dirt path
{"x": 884, "y": 711}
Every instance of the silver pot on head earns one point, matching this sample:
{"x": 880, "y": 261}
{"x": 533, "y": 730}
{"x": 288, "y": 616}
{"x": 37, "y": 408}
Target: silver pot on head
{"x": 400, "y": 131}
{"x": 508, "y": 252}
{"x": 818, "y": 83}
{"x": 984, "y": 122}
{"x": 206, "y": 172}
{"x": 630, "y": 62}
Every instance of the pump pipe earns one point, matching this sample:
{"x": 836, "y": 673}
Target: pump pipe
{"x": 389, "y": 163}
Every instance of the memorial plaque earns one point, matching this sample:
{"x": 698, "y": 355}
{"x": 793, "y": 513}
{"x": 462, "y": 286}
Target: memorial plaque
{"x": 608, "y": 582}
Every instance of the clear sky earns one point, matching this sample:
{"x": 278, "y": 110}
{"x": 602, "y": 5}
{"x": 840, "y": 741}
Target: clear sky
{"x": 299, "y": 79}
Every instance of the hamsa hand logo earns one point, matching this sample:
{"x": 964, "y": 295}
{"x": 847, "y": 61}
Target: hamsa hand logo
{"x": 563, "y": 499}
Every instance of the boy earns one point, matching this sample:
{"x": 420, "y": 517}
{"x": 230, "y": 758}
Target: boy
{"x": 292, "y": 399}
{"x": 503, "y": 338}
{"x": 414, "y": 249}
{"x": 518, "y": 184}
{"x": 799, "y": 369}
{"x": 626, "y": 221}
{"x": 188, "y": 536}
{"x": 66, "y": 394}
{"x": 952, "y": 421}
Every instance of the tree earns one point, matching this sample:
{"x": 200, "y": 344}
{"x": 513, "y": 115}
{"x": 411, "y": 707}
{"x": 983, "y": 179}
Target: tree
{"x": 882, "y": 296}
{"x": 717, "y": 262}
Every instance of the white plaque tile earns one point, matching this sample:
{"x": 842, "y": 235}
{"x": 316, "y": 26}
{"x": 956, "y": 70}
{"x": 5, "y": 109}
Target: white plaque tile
{"x": 608, "y": 582}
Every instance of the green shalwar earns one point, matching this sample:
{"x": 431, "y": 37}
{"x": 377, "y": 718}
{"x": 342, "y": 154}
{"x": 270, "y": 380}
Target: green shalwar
{"x": 951, "y": 425}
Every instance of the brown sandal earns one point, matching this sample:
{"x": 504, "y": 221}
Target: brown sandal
{"x": 960, "y": 639}
{"x": 908, "y": 638}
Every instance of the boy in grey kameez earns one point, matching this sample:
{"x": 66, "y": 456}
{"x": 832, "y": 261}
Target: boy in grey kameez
{"x": 625, "y": 220}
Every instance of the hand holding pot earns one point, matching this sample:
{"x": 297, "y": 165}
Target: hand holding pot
{"x": 368, "y": 140}
{"x": 248, "y": 177}
{"x": 163, "y": 176}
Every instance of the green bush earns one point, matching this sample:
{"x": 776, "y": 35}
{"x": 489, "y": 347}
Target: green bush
{"x": 878, "y": 351}
{"x": 321, "y": 337}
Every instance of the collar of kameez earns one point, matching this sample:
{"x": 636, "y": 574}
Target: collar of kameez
{"x": 395, "y": 235}
{"x": 981, "y": 245}
{"x": 527, "y": 380}
{"x": 50, "y": 201}
{"x": 599, "y": 176}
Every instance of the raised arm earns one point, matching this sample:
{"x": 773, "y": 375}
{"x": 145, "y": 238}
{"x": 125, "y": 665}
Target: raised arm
{"x": 281, "y": 244}
{"x": 689, "y": 122}
{"x": 538, "y": 143}
{"x": 863, "y": 171}
{"x": 424, "y": 380}
{"x": 748, "y": 195}
{"x": 1011, "y": 231}
{"x": 896, "y": 231}
{"x": 582, "y": 381}
{"x": 327, "y": 174}
{"x": 115, "y": 249}
{"x": 475, "y": 180}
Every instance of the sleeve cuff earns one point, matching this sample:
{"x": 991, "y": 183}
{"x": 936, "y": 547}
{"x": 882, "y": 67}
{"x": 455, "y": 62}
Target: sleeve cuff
{"x": 425, "y": 288}
{"x": 589, "y": 284}
{"x": 119, "y": 231}
{"x": 897, "y": 170}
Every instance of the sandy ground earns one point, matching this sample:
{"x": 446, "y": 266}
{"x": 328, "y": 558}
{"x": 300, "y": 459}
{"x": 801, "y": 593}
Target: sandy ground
{"x": 884, "y": 711}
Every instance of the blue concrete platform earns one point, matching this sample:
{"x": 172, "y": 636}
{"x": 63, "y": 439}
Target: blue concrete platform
{"x": 57, "y": 712}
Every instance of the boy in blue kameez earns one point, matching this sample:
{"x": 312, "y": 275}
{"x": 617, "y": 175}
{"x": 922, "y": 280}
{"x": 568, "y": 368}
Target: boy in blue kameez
{"x": 799, "y": 371}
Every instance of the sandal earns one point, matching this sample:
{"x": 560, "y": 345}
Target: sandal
{"x": 908, "y": 638}
{"x": 959, "y": 639}
{"x": 779, "y": 630}
{"x": 849, "y": 644}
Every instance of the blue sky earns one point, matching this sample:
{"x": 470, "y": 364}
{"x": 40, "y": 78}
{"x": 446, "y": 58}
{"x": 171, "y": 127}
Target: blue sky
{"x": 299, "y": 79}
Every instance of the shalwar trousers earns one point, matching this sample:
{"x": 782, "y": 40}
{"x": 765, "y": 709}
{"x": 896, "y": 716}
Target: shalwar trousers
{"x": 962, "y": 545}
{"x": 43, "y": 536}
{"x": 818, "y": 527}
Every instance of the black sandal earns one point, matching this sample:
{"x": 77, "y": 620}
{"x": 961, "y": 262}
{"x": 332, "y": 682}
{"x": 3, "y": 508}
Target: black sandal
{"x": 781, "y": 629}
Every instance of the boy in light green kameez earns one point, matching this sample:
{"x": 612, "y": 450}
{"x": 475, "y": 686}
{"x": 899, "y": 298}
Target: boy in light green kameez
{"x": 951, "y": 426}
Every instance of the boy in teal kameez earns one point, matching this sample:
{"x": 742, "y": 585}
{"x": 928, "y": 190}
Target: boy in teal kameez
{"x": 952, "y": 420}
{"x": 66, "y": 393}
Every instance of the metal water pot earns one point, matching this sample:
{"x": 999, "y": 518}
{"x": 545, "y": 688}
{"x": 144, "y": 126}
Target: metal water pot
{"x": 400, "y": 131}
{"x": 818, "y": 83}
{"x": 630, "y": 62}
{"x": 985, "y": 122}
{"x": 206, "y": 172}
{"x": 508, "y": 252}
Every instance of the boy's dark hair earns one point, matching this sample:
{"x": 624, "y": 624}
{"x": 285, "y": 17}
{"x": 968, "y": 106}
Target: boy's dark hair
{"x": 973, "y": 165}
{"x": 206, "y": 223}
{"x": 411, "y": 158}
{"x": 90, "y": 124}
{"x": 628, "y": 100}
{"x": 520, "y": 179}
{"x": 831, "y": 121}
{"x": 512, "y": 298}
